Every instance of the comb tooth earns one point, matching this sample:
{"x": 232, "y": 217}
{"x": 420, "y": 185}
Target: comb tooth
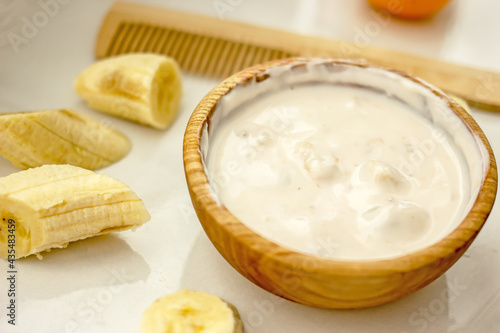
{"x": 112, "y": 42}
{"x": 117, "y": 39}
{"x": 167, "y": 42}
{"x": 152, "y": 39}
{"x": 257, "y": 54}
{"x": 138, "y": 37}
{"x": 240, "y": 58}
{"x": 184, "y": 49}
{"x": 164, "y": 38}
{"x": 194, "y": 54}
{"x": 272, "y": 55}
{"x": 223, "y": 59}
{"x": 275, "y": 54}
{"x": 280, "y": 54}
{"x": 176, "y": 47}
{"x": 131, "y": 35}
{"x": 170, "y": 43}
{"x": 247, "y": 53}
{"x": 216, "y": 58}
{"x": 143, "y": 41}
{"x": 202, "y": 66}
{"x": 228, "y": 69}
{"x": 266, "y": 55}
{"x": 251, "y": 56}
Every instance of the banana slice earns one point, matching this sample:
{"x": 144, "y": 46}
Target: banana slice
{"x": 188, "y": 311}
{"x": 31, "y": 139}
{"x": 145, "y": 88}
{"x": 53, "y": 205}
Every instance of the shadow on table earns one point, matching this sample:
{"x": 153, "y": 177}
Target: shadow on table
{"x": 103, "y": 261}
{"x": 6, "y": 168}
{"x": 426, "y": 310}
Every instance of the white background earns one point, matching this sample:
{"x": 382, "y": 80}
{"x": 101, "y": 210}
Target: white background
{"x": 104, "y": 284}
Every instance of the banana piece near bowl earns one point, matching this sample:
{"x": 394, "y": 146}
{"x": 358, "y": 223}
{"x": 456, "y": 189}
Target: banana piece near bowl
{"x": 142, "y": 87}
{"x": 53, "y": 205}
{"x": 189, "y": 311}
{"x": 32, "y": 139}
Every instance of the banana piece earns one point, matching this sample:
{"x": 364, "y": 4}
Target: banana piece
{"x": 188, "y": 311}
{"x": 145, "y": 88}
{"x": 384, "y": 176}
{"x": 31, "y": 139}
{"x": 53, "y": 205}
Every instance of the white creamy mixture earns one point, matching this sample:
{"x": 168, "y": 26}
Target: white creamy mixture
{"x": 338, "y": 171}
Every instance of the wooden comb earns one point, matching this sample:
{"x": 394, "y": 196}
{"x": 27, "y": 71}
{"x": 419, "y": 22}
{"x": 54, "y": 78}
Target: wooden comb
{"x": 217, "y": 48}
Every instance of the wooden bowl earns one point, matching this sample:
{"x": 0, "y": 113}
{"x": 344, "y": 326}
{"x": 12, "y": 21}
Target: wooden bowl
{"x": 319, "y": 281}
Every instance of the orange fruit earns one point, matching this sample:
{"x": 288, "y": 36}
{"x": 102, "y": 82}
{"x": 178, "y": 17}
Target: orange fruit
{"x": 409, "y": 9}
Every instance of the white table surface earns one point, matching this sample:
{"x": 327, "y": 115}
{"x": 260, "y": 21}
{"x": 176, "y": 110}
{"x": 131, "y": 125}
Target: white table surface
{"x": 104, "y": 284}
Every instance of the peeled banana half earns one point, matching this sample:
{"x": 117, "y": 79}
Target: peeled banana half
{"x": 188, "y": 311}
{"x": 31, "y": 139}
{"x": 50, "y": 206}
{"x": 142, "y": 87}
